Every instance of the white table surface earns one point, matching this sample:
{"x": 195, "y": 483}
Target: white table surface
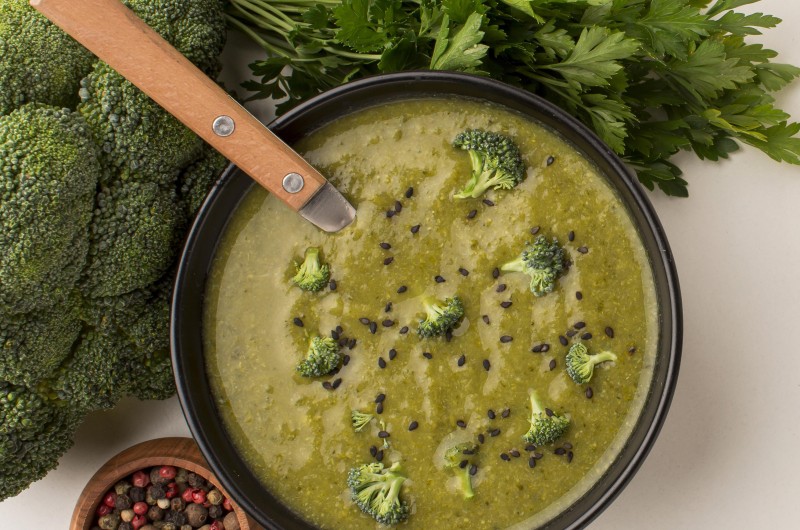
{"x": 728, "y": 455}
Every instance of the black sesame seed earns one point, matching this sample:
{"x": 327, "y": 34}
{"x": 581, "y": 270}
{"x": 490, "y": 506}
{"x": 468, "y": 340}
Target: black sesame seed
{"x": 530, "y": 447}
{"x": 545, "y": 347}
{"x": 389, "y": 213}
{"x": 548, "y": 412}
{"x": 563, "y": 340}
{"x": 586, "y": 336}
{"x": 552, "y": 364}
{"x": 385, "y": 246}
{"x": 404, "y": 330}
{"x": 535, "y": 230}
{"x": 339, "y": 329}
{"x": 413, "y": 425}
{"x": 487, "y": 202}
{"x": 571, "y": 235}
{"x": 506, "y": 338}
{"x": 402, "y": 289}
{"x": 506, "y": 304}
{"x": 485, "y": 319}
{"x": 514, "y": 453}
{"x": 427, "y": 355}
{"x": 409, "y": 193}
{"x": 351, "y": 343}
{"x": 379, "y": 408}
{"x": 486, "y": 364}
{"x": 388, "y": 261}
{"x": 381, "y": 362}
{"x": 506, "y": 413}
{"x": 473, "y": 469}
{"x": 379, "y": 456}
{"x": 345, "y": 360}
{"x": 448, "y": 335}
{"x": 500, "y": 288}
{"x": 495, "y": 273}
{"x": 297, "y": 322}
{"x": 327, "y": 385}
{"x": 380, "y": 397}
{"x": 398, "y": 206}
{"x": 415, "y": 229}
{"x": 589, "y": 393}
{"x": 609, "y": 332}
{"x": 462, "y": 360}
{"x": 481, "y": 438}
{"x": 571, "y": 333}
{"x": 632, "y": 350}
{"x": 560, "y": 451}
{"x": 472, "y": 213}
{"x": 550, "y": 160}
{"x": 531, "y": 462}
{"x": 364, "y": 320}
{"x": 491, "y": 414}
{"x": 373, "y": 327}
{"x": 439, "y": 279}
{"x": 505, "y": 457}
{"x": 463, "y": 271}
{"x": 583, "y": 250}
{"x": 388, "y": 307}
{"x": 387, "y": 323}
{"x": 342, "y": 342}
{"x": 337, "y": 382}
{"x": 537, "y": 456}
{"x": 463, "y": 464}
{"x": 569, "y": 457}
{"x": 494, "y": 432}
{"x": 373, "y": 450}
{"x": 537, "y": 348}
{"x": 462, "y": 424}
{"x": 383, "y": 434}
{"x": 392, "y": 354}
{"x": 566, "y": 445}
{"x": 579, "y": 295}
{"x": 579, "y": 325}
{"x": 334, "y": 334}
{"x": 332, "y": 285}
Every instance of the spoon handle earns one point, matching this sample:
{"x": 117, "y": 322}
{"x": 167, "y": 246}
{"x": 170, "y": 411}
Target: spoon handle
{"x": 117, "y": 36}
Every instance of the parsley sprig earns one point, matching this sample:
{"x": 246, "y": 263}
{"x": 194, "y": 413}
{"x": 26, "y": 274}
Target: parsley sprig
{"x": 650, "y": 77}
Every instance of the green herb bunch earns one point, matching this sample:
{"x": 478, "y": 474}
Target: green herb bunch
{"x": 650, "y": 77}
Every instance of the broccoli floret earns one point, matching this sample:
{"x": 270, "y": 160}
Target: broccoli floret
{"x": 440, "y": 317}
{"x": 496, "y": 162}
{"x": 546, "y": 425}
{"x": 312, "y": 275}
{"x": 36, "y": 429}
{"x": 134, "y": 237}
{"x": 543, "y": 261}
{"x": 460, "y": 457}
{"x": 39, "y": 63}
{"x": 322, "y": 358}
{"x": 197, "y": 180}
{"x": 376, "y": 490}
{"x": 48, "y": 178}
{"x": 580, "y": 364}
{"x": 360, "y": 419}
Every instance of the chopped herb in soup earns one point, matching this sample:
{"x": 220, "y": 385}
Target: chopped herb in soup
{"x": 471, "y": 353}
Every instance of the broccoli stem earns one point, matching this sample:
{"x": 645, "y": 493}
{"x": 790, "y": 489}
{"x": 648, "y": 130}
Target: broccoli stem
{"x": 466, "y": 483}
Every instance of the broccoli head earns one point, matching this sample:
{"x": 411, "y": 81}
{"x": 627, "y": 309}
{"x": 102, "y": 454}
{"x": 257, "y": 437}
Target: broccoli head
{"x": 134, "y": 237}
{"x": 546, "y": 425}
{"x": 460, "y": 457}
{"x": 360, "y": 419}
{"x": 440, "y": 317}
{"x": 580, "y": 364}
{"x": 196, "y": 180}
{"x": 543, "y": 261}
{"x": 312, "y": 275}
{"x": 376, "y": 490}
{"x": 39, "y": 63}
{"x": 37, "y": 429}
{"x": 48, "y": 179}
{"x": 322, "y": 358}
{"x": 496, "y": 162}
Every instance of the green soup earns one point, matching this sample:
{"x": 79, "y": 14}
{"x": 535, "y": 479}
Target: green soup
{"x": 296, "y": 432}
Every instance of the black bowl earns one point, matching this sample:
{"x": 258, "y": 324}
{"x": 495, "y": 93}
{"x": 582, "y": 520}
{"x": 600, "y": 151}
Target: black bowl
{"x": 187, "y": 309}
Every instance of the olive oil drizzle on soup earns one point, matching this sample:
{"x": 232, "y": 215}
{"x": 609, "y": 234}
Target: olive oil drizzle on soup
{"x": 297, "y": 434}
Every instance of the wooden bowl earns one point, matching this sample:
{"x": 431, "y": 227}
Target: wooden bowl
{"x": 178, "y": 452}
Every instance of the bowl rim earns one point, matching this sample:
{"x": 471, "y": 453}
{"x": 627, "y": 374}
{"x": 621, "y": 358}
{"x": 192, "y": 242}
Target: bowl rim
{"x": 214, "y": 442}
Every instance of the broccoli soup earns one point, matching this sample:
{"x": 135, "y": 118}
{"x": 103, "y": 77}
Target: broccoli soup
{"x": 472, "y": 352}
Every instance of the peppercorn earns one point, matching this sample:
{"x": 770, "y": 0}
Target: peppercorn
{"x": 214, "y": 496}
{"x": 148, "y": 527}
{"x": 195, "y": 480}
{"x": 155, "y": 513}
{"x": 187, "y": 527}
{"x": 102, "y": 510}
{"x": 122, "y": 487}
{"x": 123, "y": 502}
{"x": 177, "y": 504}
{"x": 215, "y": 511}
{"x": 167, "y": 472}
{"x": 109, "y": 521}
{"x": 231, "y": 522}
{"x": 157, "y": 491}
{"x": 125, "y": 526}
{"x": 205, "y": 527}
{"x": 140, "y": 479}
{"x": 156, "y": 478}
{"x": 176, "y": 518}
{"x": 136, "y": 494}
{"x": 187, "y": 494}
{"x": 126, "y": 515}
{"x": 196, "y": 514}
{"x": 199, "y": 496}
{"x": 181, "y": 476}
{"x": 140, "y": 522}
{"x": 169, "y": 526}
{"x": 217, "y": 525}
{"x": 110, "y": 498}
{"x": 163, "y": 504}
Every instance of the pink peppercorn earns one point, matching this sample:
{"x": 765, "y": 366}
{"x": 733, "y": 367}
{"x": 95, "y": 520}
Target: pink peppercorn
{"x": 110, "y": 499}
{"x": 172, "y": 490}
{"x": 167, "y": 472}
{"x": 187, "y": 494}
{"x": 226, "y": 503}
{"x": 217, "y": 525}
{"x": 138, "y": 521}
{"x": 140, "y": 508}
{"x": 103, "y": 509}
{"x": 140, "y": 479}
{"x": 199, "y": 496}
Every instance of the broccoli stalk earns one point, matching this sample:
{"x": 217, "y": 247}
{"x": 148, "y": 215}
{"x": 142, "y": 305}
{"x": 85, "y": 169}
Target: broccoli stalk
{"x": 322, "y": 358}
{"x": 496, "y": 162}
{"x": 543, "y": 261}
{"x": 311, "y": 274}
{"x": 546, "y": 425}
{"x": 580, "y": 364}
{"x": 440, "y": 317}
{"x": 459, "y": 457}
{"x": 376, "y": 490}
{"x": 360, "y": 419}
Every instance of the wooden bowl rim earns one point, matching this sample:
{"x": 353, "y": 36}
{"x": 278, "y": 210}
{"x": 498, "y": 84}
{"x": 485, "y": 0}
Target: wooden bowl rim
{"x": 175, "y": 451}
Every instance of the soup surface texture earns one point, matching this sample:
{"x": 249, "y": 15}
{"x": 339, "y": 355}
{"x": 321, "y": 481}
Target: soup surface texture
{"x": 296, "y": 432}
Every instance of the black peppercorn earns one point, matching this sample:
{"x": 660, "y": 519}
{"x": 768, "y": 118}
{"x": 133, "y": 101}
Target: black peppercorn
{"x": 157, "y": 491}
{"x": 196, "y": 515}
{"x": 176, "y": 518}
{"x": 125, "y": 526}
{"x": 195, "y": 480}
{"x": 215, "y": 511}
{"x": 154, "y": 513}
{"x": 177, "y": 504}
{"x": 136, "y": 494}
{"x": 123, "y": 502}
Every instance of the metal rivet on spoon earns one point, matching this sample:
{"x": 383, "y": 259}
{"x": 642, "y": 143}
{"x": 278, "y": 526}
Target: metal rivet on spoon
{"x": 223, "y": 126}
{"x": 293, "y": 182}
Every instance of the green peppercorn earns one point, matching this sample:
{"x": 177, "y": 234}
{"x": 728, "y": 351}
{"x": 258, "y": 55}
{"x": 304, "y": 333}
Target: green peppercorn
{"x": 126, "y": 515}
{"x": 230, "y": 522}
{"x": 214, "y": 496}
{"x": 177, "y": 504}
{"x": 122, "y": 487}
{"x": 109, "y": 521}
{"x": 155, "y": 513}
{"x": 182, "y": 476}
{"x": 136, "y": 494}
{"x": 196, "y": 514}
{"x": 169, "y": 526}
{"x": 216, "y": 511}
{"x": 122, "y": 502}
